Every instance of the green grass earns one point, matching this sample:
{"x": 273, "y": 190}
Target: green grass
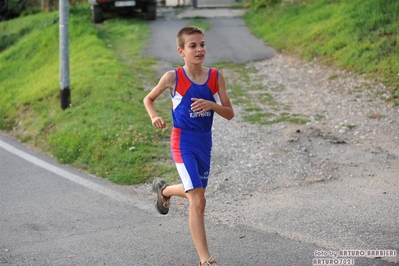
{"x": 200, "y": 24}
{"x": 350, "y": 126}
{"x": 13, "y": 30}
{"x": 106, "y": 131}
{"x": 359, "y": 35}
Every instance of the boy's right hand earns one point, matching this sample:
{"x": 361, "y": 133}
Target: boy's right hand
{"x": 158, "y": 122}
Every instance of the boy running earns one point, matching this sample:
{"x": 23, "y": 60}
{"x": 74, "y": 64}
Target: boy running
{"x": 195, "y": 92}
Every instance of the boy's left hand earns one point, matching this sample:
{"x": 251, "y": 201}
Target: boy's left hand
{"x": 201, "y": 106}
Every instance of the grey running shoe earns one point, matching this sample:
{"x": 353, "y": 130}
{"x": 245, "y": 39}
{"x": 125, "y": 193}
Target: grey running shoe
{"x": 162, "y": 202}
{"x": 210, "y": 262}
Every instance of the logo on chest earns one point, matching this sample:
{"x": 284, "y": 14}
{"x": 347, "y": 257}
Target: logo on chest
{"x": 196, "y": 115}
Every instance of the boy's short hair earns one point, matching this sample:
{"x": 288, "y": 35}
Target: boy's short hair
{"x": 187, "y": 31}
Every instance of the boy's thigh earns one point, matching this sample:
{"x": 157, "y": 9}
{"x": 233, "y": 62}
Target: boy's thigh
{"x": 193, "y": 170}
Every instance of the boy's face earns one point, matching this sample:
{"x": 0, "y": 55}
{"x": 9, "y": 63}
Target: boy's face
{"x": 194, "y": 48}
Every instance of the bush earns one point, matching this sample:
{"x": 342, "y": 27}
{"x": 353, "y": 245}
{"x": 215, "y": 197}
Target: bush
{"x": 14, "y": 8}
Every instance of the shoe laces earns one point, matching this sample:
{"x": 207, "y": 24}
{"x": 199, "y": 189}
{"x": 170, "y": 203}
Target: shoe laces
{"x": 210, "y": 262}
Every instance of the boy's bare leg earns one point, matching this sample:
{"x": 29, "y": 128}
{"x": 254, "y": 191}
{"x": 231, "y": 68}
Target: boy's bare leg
{"x": 197, "y": 201}
{"x": 174, "y": 190}
{"x": 196, "y": 221}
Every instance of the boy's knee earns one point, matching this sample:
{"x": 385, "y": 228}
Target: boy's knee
{"x": 198, "y": 202}
{"x": 198, "y": 206}
{"x": 202, "y": 202}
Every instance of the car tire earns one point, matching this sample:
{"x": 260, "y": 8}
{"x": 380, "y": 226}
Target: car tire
{"x": 151, "y": 11}
{"x": 97, "y": 14}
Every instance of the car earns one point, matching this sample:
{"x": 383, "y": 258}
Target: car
{"x": 98, "y": 7}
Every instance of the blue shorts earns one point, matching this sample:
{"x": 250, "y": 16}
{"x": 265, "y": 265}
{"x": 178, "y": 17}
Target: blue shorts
{"x": 191, "y": 153}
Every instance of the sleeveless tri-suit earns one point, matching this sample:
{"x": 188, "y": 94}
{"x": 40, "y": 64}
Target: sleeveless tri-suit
{"x": 191, "y": 138}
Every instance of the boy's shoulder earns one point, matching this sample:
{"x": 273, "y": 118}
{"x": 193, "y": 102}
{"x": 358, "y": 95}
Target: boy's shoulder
{"x": 169, "y": 77}
{"x": 170, "y": 73}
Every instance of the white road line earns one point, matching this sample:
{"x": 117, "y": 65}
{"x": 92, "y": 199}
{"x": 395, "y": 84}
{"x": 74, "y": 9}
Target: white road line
{"x": 65, "y": 174}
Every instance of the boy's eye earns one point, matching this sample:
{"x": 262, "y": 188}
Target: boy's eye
{"x": 194, "y": 46}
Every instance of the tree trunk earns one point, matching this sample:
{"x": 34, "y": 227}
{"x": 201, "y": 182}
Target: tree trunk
{"x": 47, "y": 5}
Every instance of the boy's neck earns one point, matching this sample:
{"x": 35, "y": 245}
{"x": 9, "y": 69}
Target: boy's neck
{"x": 196, "y": 73}
{"x": 194, "y": 70}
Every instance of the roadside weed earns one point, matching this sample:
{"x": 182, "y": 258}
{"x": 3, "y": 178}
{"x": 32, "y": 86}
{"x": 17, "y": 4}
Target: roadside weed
{"x": 257, "y": 98}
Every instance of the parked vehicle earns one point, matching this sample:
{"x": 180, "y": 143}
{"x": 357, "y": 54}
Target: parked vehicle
{"x": 98, "y": 7}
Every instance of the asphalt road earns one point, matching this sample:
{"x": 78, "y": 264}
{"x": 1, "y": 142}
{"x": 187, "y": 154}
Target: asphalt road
{"x": 227, "y": 40}
{"x": 52, "y": 214}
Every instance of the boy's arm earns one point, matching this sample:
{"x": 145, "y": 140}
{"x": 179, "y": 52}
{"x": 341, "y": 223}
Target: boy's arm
{"x": 225, "y": 109}
{"x": 167, "y": 80}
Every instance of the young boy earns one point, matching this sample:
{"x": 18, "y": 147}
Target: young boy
{"x": 194, "y": 91}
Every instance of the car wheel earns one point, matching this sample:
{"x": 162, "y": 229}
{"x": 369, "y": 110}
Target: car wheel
{"x": 151, "y": 11}
{"x": 97, "y": 14}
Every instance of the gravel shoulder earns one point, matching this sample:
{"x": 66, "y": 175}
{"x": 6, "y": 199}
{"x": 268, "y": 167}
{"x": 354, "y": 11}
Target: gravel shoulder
{"x": 332, "y": 182}
{"x": 323, "y": 182}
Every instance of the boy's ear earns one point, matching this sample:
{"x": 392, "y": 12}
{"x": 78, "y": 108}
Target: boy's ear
{"x": 180, "y": 51}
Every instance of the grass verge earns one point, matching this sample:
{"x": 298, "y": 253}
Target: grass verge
{"x": 107, "y": 131}
{"x": 360, "y": 35}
